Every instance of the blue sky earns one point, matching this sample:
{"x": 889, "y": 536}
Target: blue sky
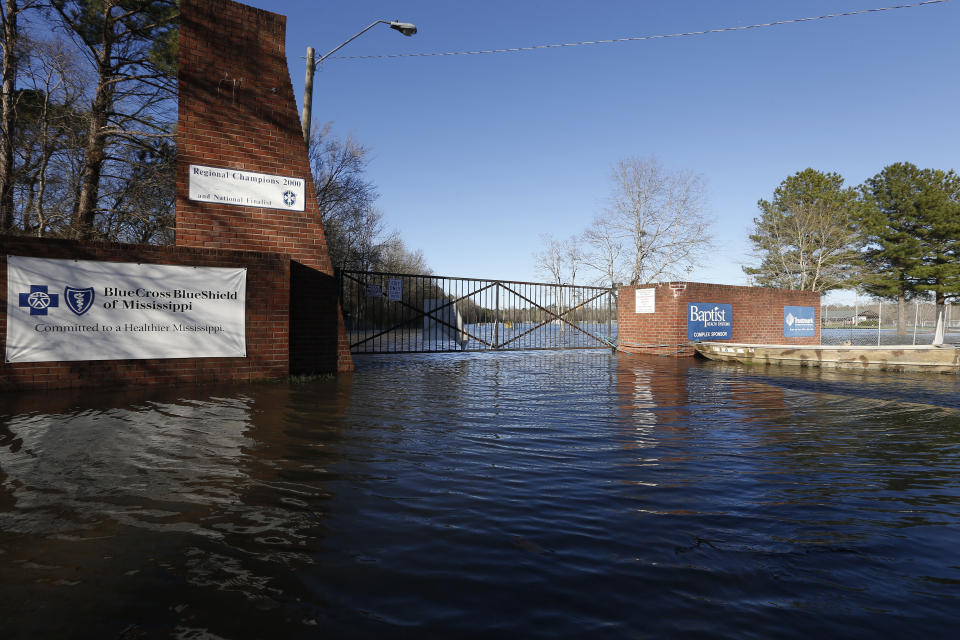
{"x": 475, "y": 156}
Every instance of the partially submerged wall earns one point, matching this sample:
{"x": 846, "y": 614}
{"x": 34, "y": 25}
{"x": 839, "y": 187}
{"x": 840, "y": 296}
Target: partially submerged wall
{"x": 237, "y": 113}
{"x": 663, "y": 324}
{"x": 267, "y": 320}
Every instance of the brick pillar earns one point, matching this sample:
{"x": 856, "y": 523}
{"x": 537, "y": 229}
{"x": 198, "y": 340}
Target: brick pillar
{"x": 237, "y": 111}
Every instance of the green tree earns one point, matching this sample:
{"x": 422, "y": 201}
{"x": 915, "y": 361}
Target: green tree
{"x": 912, "y": 234}
{"x": 805, "y": 235}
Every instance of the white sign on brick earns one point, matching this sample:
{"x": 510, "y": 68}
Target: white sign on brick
{"x": 60, "y": 310}
{"x": 646, "y": 300}
{"x": 245, "y": 188}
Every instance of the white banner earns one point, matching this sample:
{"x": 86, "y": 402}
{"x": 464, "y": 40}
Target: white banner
{"x": 84, "y": 310}
{"x": 245, "y": 188}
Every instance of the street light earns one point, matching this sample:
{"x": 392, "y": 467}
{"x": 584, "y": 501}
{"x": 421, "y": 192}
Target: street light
{"x": 405, "y": 28}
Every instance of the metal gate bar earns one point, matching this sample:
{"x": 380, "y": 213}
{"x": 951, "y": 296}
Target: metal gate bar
{"x": 411, "y": 313}
{"x": 555, "y": 316}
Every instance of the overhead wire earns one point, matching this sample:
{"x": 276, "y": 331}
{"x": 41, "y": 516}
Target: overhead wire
{"x": 650, "y": 37}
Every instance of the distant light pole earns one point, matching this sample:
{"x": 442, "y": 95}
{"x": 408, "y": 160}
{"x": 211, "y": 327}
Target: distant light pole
{"x": 405, "y": 28}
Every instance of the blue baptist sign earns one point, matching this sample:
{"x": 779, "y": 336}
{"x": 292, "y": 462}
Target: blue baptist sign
{"x": 709, "y": 321}
{"x": 799, "y": 322}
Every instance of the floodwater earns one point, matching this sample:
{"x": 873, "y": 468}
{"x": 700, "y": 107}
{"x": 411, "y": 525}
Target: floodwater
{"x": 522, "y": 495}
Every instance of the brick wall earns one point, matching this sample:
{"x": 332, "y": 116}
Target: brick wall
{"x": 237, "y": 110}
{"x": 757, "y": 315}
{"x": 267, "y": 320}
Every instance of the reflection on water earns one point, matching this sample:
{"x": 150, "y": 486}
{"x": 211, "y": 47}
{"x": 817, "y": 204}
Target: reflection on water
{"x": 537, "y": 494}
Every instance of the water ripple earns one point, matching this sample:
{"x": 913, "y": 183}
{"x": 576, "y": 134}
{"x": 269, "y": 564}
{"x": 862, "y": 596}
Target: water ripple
{"x": 530, "y": 494}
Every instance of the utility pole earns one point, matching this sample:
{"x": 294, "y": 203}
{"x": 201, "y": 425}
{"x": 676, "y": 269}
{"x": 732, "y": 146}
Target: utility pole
{"x": 405, "y": 28}
{"x": 308, "y": 96}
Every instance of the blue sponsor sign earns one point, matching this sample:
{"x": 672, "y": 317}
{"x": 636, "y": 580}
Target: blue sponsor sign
{"x": 709, "y": 321}
{"x": 799, "y": 322}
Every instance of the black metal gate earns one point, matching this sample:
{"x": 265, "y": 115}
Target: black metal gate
{"x": 403, "y": 313}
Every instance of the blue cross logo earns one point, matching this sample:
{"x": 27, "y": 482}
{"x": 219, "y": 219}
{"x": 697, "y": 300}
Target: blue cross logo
{"x": 289, "y": 198}
{"x": 39, "y": 300}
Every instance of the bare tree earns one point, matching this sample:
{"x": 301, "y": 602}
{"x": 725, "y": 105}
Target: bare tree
{"x": 89, "y": 126}
{"x": 654, "y": 227}
{"x": 49, "y": 138}
{"x": 573, "y": 257}
{"x": 345, "y": 198}
{"x": 559, "y": 260}
{"x": 12, "y": 50}
{"x": 396, "y": 258}
{"x": 339, "y": 168}
{"x": 549, "y": 260}
{"x": 141, "y": 194}
{"x": 604, "y": 252}
{"x": 129, "y": 44}
{"x": 357, "y": 237}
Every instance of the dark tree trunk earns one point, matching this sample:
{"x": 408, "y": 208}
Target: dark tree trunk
{"x": 94, "y": 154}
{"x": 8, "y": 116}
{"x": 95, "y": 151}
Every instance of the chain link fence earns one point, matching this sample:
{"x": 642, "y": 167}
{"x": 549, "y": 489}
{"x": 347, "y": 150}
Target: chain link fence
{"x": 873, "y": 322}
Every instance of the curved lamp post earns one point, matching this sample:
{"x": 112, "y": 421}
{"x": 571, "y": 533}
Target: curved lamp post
{"x": 405, "y": 28}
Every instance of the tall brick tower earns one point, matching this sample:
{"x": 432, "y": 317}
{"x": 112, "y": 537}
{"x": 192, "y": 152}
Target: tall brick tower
{"x": 237, "y": 112}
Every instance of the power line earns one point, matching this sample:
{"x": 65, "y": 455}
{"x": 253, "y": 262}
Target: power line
{"x": 638, "y": 38}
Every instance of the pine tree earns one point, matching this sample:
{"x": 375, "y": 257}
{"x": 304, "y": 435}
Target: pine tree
{"x": 912, "y": 234}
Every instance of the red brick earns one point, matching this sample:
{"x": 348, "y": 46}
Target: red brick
{"x": 757, "y": 315}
